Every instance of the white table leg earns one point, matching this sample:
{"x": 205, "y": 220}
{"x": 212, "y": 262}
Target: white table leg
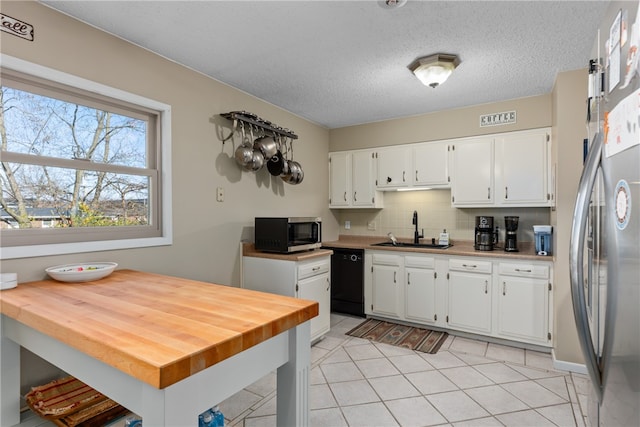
{"x": 9, "y": 380}
{"x": 292, "y": 408}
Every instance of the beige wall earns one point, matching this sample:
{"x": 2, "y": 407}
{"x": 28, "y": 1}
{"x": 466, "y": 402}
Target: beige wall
{"x": 206, "y": 233}
{"x": 532, "y": 112}
{"x": 569, "y": 95}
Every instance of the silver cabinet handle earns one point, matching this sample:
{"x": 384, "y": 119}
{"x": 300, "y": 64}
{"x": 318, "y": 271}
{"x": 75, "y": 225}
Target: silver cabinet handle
{"x": 403, "y": 176}
{"x": 394, "y": 277}
{"x": 576, "y": 256}
{"x": 469, "y": 266}
{"x": 504, "y": 288}
{"x": 416, "y": 175}
{"x": 345, "y": 196}
{"x": 506, "y": 192}
{"x": 355, "y": 199}
{"x": 489, "y": 193}
{"x": 328, "y": 284}
{"x": 408, "y": 278}
{"x": 522, "y": 270}
{"x": 315, "y": 269}
{"x": 486, "y": 286}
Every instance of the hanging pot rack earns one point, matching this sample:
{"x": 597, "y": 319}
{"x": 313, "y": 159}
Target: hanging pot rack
{"x": 267, "y": 127}
{"x": 273, "y": 148}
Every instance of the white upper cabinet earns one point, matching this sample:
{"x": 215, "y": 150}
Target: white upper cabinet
{"x": 522, "y": 168}
{"x": 340, "y": 179}
{"x": 473, "y": 172}
{"x": 352, "y": 180}
{"x": 511, "y": 169}
{"x": 363, "y": 180}
{"x": 431, "y": 164}
{"x": 394, "y": 167}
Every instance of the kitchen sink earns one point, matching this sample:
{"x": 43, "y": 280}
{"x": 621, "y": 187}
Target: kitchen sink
{"x": 413, "y": 245}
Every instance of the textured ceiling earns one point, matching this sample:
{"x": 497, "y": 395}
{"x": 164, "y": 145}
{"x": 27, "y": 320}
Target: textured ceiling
{"x": 340, "y": 63}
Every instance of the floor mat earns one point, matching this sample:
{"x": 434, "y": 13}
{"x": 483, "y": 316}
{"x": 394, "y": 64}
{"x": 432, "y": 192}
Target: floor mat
{"x": 419, "y": 339}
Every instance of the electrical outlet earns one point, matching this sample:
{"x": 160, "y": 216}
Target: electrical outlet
{"x": 371, "y": 225}
{"x": 220, "y": 194}
{"x": 347, "y": 225}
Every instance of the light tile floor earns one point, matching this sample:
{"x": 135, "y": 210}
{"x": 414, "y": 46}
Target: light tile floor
{"x": 355, "y": 382}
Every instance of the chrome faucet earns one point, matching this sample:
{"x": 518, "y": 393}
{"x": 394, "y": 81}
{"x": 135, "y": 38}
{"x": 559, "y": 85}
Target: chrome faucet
{"x": 416, "y": 235}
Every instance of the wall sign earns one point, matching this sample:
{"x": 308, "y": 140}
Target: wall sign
{"x": 16, "y": 27}
{"x": 497, "y": 119}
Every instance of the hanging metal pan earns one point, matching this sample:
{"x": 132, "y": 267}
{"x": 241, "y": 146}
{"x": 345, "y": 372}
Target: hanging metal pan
{"x": 275, "y": 165}
{"x": 244, "y": 153}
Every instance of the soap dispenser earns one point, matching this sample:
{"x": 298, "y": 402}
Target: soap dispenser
{"x": 444, "y": 238}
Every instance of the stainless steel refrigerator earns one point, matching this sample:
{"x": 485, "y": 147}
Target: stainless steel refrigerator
{"x": 605, "y": 236}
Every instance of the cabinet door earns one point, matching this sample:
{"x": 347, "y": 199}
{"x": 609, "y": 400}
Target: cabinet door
{"x": 523, "y": 309}
{"x": 431, "y": 164}
{"x": 521, "y": 160}
{"x": 363, "y": 178}
{"x": 386, "y": 283}
{"x": 420, "y": 294}
{"x": 339, "y": 179}
{"x": 472, "y": 180}
{"x": 394, "y": 167}
{"x": 470, "y": 301}
{"x": 317, "y": 288}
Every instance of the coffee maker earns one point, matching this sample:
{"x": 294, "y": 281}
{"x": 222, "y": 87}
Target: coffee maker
{"x": 511, "y": 240}
{"x": 486, "y": 237}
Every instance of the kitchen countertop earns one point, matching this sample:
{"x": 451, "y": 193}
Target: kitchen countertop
{"x": 155, "y": 328}
{"x": 249, "y": 249}
{"x": 459, "y": 248}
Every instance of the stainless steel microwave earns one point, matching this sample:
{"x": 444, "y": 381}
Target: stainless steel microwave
{"x": 284, "y": 235}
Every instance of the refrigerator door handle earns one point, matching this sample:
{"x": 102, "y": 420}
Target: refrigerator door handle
{"x": 576, "y": 256}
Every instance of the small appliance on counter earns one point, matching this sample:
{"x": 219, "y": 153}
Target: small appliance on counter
{"x": 544, "y": 239}
{"x": 511, "y": 234}
{"x": 485, "y": 237}
{"x": 286, "y": 235}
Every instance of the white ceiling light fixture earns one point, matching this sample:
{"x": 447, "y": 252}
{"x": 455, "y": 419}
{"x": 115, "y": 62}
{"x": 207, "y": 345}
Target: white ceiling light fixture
{"x": 433, "y": 70}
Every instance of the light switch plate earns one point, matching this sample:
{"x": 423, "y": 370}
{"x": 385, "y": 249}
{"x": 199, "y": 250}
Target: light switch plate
{"x": 347, "y": 225}
{"x": 220, "y": 194}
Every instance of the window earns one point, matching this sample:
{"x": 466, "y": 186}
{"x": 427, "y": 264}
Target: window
{"x": 85, "y": 167}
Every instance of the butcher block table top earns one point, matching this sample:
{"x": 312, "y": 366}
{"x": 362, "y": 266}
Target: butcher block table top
{"x": 156, "y": 328}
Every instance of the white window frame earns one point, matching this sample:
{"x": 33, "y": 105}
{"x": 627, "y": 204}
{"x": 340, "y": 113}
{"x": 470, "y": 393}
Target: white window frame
{"x": 166, "y": 237}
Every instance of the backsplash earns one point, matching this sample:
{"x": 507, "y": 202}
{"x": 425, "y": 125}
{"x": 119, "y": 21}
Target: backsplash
{"x": 434, "y": 214}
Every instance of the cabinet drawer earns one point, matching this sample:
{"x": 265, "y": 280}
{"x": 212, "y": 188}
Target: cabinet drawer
{"x": 524, "y": 270}
{"x": 469, "y": 264}
{"x": 384, "y": 259}
{"x": 419, "y": 261}
{"x": 313, "y": 268}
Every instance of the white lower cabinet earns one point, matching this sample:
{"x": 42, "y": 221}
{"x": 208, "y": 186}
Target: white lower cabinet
{"x": 524, "y": 293}
{"x": 483, "y": 296}
{"x": 387, "y": 284}
{"x": 420, "y": 287}
{"x": 309, "y": 279}
{"x": 470, "y": 285}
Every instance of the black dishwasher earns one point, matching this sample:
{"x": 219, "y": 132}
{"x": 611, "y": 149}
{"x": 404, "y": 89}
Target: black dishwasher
{"x": 347, "y": 281}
